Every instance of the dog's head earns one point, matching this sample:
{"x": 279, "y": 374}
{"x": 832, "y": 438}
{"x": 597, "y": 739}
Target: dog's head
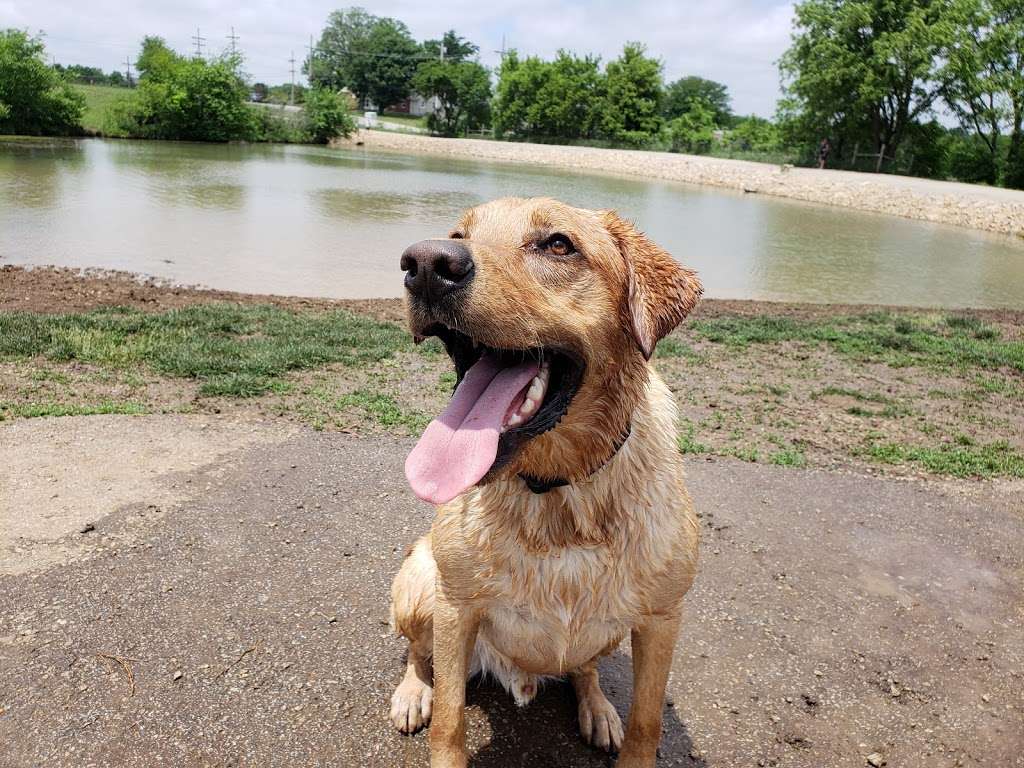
{"x": 549, "y": 314}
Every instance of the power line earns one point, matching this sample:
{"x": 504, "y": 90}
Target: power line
{"x": 199, "y": 40}
{"x": 234, "y": 39}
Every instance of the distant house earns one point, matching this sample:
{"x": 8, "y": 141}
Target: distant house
{"x": 415, "y": 105}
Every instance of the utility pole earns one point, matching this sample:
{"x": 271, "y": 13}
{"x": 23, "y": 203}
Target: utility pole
{"x": 234, "y": 39}
{"x": 291, "y": 98}
{"x": 128, "y": 70}
{"x": 502, "y": 51}
{"x": 199, "y": 40}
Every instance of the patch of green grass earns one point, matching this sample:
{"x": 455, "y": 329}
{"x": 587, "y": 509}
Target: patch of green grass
{"x": 688, "y": 442}
{"x": 48, "y": 374}
{"x": 98, "y": 100}
{"x": 384, "y": 410}
{"x": 232, "y": 350}
{"x": 893, "y": 339}
{"x": 964, "y": 458}
{"x": 672, "y": 347}
{"x": 446, "y": 382}
{"x": 37, "y": 410}
{"x": 789, "y": 457}
{"x": 744, "y": 454}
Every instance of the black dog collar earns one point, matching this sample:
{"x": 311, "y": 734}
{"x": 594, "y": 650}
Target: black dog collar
{"x": 543, "y": 486}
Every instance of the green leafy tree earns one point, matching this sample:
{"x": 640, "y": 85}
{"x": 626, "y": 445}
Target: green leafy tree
{"x": 969, "y": 158}
{"x": 974, "y": 76}
{"x": 393, "y": 57}
{"x": 456, "y": 48}
{"x": 190, "y": 99}
{"x": 694, "y": 130}
{"x": 375, "y": 58}
{"x": 515, "y": 95}
{"x": 463, "y": 90}
{"x": 339, "y": 59}
{"x": 864, "y": 70}
{"x": 34, "y": 98}
{"x": 156, "y": 59}
{"x": 680, "y": 94}
{"x": 755, "y": 134}
{"x": 327, "y": 115}
{"x": 1008, "y": 19}
{"x": 556, "y": 99}
{"x": 633, "y": 96}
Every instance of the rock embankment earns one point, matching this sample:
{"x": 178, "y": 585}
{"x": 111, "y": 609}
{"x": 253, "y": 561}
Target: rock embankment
{"x": 963, "y": 205}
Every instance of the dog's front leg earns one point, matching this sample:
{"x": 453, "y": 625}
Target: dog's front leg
{"x": 653, "y": 643}
{"x": 455, "y": 629}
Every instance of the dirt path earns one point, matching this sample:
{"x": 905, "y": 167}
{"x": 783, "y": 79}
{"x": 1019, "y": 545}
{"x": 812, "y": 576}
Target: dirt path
{"x": 835, "y": 616}
{"x": 964, "y": 205}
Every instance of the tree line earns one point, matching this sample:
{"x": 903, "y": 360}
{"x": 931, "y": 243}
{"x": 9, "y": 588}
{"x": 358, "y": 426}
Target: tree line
{"x": 871, "y": 75}
{"x": 881, "y": 80}
{"x": 177, "y": 97}
{"x": 925, "y": 87}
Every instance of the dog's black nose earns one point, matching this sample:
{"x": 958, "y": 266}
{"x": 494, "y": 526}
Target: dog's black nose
{"x": 436, "y": 268}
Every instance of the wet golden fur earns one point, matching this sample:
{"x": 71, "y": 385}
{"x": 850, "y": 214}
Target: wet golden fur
{"x": 525, "y": 585}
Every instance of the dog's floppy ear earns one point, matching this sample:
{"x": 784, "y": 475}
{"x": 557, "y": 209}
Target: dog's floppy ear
{"x": 661, "y": 292}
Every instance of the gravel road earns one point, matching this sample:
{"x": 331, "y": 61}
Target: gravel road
{"x": 965, "y": 205}
{"x": 234, "y": 613}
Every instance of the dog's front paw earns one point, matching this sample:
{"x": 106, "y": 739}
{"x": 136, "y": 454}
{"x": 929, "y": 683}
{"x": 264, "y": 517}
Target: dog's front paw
{"x": 411, "y": 704}
{"x": 600, "y": 724}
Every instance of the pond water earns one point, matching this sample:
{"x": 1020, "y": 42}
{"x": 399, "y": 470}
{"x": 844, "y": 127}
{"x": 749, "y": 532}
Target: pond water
{"x": 313, "y": 221}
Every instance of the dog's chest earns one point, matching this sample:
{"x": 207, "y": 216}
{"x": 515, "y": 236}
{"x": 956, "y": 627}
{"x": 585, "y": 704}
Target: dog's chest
{"x": 550, "y": 613}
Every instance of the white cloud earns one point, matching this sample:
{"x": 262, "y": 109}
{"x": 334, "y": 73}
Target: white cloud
{"x": 733, "y": 41}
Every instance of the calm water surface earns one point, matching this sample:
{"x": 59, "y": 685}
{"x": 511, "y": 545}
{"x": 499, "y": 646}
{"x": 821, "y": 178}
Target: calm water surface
{"x": 318, "y": 222}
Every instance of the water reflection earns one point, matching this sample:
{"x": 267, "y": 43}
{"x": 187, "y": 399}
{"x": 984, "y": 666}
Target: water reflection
{"x": 391, "y": 206}
{"x": 314, "y": 221}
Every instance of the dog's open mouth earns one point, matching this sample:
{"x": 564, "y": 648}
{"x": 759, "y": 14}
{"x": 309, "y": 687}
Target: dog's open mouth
{"x": 503, "y": 398}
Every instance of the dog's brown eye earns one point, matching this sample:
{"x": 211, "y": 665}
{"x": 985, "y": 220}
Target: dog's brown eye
{"x": 559, "y": 245}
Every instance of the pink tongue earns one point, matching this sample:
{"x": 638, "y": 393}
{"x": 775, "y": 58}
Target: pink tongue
{"x": 460, "y": 445}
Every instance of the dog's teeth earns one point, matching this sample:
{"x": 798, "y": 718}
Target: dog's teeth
{"x": 536, "y": 389}
{"x": 515, "y": 420}
{"x": 529, "y": 406}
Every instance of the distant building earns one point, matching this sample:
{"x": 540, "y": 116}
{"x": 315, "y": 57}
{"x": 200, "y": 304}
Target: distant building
{"x": 415, "y": 106}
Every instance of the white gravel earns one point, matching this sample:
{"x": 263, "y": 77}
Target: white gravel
{"x": 964, "y": 205}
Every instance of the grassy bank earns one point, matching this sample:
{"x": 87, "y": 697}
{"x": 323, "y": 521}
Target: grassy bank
{"x": 98, "y": 100}
{"x": 895, "y": 392}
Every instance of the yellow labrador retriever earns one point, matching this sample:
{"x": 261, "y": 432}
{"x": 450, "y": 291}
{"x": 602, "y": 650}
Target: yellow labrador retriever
{"x": 563, "y": 523}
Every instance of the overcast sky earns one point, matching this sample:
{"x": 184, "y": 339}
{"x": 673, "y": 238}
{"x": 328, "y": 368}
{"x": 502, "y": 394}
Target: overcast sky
{"x": 733, "y": 41}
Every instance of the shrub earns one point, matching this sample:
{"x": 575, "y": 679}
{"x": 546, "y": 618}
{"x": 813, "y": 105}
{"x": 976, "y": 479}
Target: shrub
{"x": 191, "y": 99}
{"x": 327, "y": 115}
{"x": 274, "y": 125}
{"x": 34, "y": 98}
{"x": 755, "y": 134}
{"x": 970, "y": 160}
{"x": 694, "y": 131}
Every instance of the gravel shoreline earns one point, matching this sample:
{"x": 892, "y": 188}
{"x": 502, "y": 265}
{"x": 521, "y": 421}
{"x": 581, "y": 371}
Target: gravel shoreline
{"x": 964, "y": 205}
